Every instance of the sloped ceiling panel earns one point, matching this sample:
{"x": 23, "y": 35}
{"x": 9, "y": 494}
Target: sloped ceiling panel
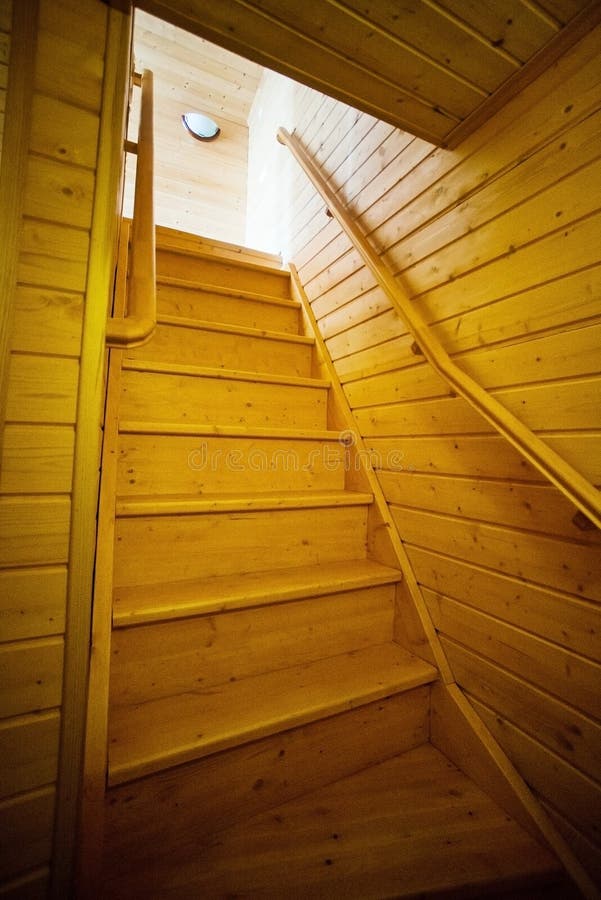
{"x": 435, "y": 68}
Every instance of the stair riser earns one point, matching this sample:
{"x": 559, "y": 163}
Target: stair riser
{"x": 222, "y": 350}
{"x": 156, "y": 397}
{"x": 181, "y": 464}
{"x": 199, "y": 798}
{"x": 225, "y": 308}
{"x": 170, "y": 548}
{"x": 168, "y": 658}
{"x": 204, "y": 271}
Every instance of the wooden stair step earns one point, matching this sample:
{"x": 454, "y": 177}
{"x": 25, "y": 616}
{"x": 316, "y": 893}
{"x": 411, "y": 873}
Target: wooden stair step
{"x": 199, "y": 245}
{"x": 217, "y": 303}
{"x": 219, "y": 345}
{"x": 221, "y": 503}
{"x": 207, "y": 268}
{"x": 225, "y": 291}
{"x": 188, "y": 464}
{"x": 140, "y": 604}
{"x": 151, "y": 549}
{"x": 242, "y": 431}
{"x": 165, "y": 368}
{"x": 411, "y": 826}
{"x": 156, "y": 735}
{"x": 168, "y": 392}
{"x": 241, "y": 330}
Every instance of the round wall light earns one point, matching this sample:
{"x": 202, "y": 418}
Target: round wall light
{"x": 200, "y": 126}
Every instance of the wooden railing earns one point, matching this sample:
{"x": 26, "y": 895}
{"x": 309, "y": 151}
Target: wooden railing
{"x": 570, "y": 482}
{"x": 139, "y": 322}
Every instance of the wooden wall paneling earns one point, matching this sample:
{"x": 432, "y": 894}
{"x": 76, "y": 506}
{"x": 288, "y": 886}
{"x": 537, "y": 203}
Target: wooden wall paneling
{"x": 69, "y": 43}
{"x": 5, "y": 29}
{"x": 539, "y": 508}
{"x": 543, "y": 165}
{"x": 557, "y": 781}
{"x": 370, "y": 302}
{"x": 554, "y": 616}
{"x": 588, "y": 853}
{"x": 461, "y": 734}
{"x": 13, "y": 171}
{"x": 34, "y": 530}
{"x": 42, "y": 389}
{"x": 43, "y": 613}
{"x": 37, "y": 460}
{"x": 499, "y": 234}
{"x": 32, "y": 675}
{"x": 200, "y": 187}
{"x": 554, "y": 563}
{"x": 398, "y": 65}
{"x": 552, "y": 106}
{"x": 28, "y": 752}
{"x": 486, "y": 456}
{"x": 515, "y": 27}
{"x": 567, "y": 301}
{"x": 65, "y": 249}
{"x": 563, "y": 729}
{"x": 545, "y": 664}
{"x": 548, "y": 211}
{"x": 26, "y": 829}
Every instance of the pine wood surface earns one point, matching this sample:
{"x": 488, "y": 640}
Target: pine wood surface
{"x": 206, "y": 396}
{"x": 135, "y": 605}
{"x": 365, "y": 836}
{"x": 239, "y": 308}
{"x": 202, "y": 797}
{"x": 29, "y": 751}
{"x": 218, "y": 346}
{"x": 244, "y": 710}
{"x": 501, "y": 258}
{"x": 161, "y": 660}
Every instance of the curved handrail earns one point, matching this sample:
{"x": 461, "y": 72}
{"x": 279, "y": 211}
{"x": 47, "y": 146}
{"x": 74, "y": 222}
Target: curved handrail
{"x": 570, "y": 482}
{"x": 140, "y": 322}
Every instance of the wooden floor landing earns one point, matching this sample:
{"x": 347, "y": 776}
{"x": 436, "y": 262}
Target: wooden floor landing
{"x": 410, "y": 827}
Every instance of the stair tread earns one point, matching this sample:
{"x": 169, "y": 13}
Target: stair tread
{"x": 135, "y": 426}
{"x": 186, "y": 244}
{"x": 241, "y": 330}
{"x": 180, "y": 599}
{"x": 146, "y": 365}
{"x": 412, "y": 826}
{"x": 162, "y": 733}
{"x": 155, "y": 505}
{"x": 187, "y": 284}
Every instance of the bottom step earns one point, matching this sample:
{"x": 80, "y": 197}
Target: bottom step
{"x": 412, "y": 826}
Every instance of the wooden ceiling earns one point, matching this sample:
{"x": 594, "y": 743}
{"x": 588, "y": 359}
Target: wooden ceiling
{"x": 435, "y": 68}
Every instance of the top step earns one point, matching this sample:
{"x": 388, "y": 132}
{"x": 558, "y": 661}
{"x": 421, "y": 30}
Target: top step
{"x": 193, "y": 243}
{"x": 188, "y": 258}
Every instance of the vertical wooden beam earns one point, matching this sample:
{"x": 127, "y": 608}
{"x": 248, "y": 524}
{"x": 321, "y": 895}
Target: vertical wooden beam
{"x": 90, "y": 404}
{"x": 13, "y": 170}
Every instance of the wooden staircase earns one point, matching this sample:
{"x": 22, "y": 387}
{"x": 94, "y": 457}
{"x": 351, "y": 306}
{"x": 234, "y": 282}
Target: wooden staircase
{"x": 267, "y": 735}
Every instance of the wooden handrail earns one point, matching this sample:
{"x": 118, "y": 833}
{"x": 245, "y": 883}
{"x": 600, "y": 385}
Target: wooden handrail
{"x": 139, "y": 322}
{"x": 570, "y": 482}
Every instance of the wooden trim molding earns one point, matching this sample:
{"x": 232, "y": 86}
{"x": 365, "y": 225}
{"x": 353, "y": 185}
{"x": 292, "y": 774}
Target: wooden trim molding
{"x": 90, "y": 403}
{"x": 571, "y": 483}
{"x": 13, "y": 170}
